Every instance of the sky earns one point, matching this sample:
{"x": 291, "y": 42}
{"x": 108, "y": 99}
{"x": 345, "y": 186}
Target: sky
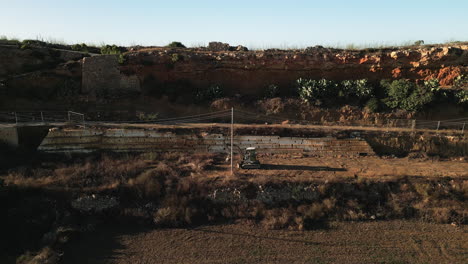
{"x": 255, "y": 24}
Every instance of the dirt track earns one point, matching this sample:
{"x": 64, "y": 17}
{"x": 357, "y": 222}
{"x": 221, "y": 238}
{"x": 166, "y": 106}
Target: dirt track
{"x": 343, "y": 242}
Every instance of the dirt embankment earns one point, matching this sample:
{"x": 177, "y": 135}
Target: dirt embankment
{"x": 250, "y": 72}
{"x": 38, "y": 73}
{"x": 169, "y": 78}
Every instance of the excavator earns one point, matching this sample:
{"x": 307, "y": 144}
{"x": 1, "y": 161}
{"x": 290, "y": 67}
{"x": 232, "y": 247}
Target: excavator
{"x": 249, "y": 159}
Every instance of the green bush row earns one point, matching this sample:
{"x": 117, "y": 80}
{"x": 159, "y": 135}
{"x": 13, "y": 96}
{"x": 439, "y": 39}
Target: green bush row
{"x": 311, "y": 90}
{"x": 397, "y": 94}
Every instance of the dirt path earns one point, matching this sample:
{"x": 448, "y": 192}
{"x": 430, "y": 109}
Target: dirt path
{"x": 341, "y": 242}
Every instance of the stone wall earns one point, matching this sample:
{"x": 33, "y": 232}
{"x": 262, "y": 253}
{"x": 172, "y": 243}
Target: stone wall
{"x": 126, "y": 140}
{"x": 100, "y": 74}
{"x": 130, "y": 83}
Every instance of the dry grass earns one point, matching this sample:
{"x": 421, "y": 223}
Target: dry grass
{"x": 177, "y": 185}
{"x": 45, "y": 256}
{"x": 104, "y": 171}
{"x": 279, "y": 218}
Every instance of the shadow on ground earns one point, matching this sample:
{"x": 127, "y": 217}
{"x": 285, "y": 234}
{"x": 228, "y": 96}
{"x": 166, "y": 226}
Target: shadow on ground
{"x": 100, "y": 246}
{"x": 299, "y": 167}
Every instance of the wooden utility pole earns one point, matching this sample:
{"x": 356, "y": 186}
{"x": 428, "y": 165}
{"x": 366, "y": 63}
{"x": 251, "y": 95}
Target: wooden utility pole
{"x": 232, "y": 140}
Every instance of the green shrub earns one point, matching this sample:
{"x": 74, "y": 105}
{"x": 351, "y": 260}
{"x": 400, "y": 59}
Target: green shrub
{"x": 419, "y": 42}
{"x": 80, "y": 47}
{"x": 373, "y": 105}
{"x": 310, "y": 90}
{"x": 211, "y": 93}
{"x": 462, "y": 96}
{"x": 432, "y": 85}
{"x": 359, "y": 89}
{"x": 147, "y": 116}
{"x": 272, "y": 91}
{"x": 403, "y": 94}
{"x": 176, "y": 57}
{"x": 4, "y": 39}
{"x": 114, "y": 50}
{"x": 175, "y": 44}
{"x": 461, "y": 82}
{"x": 313, "y": 90}
{"x": 34, "y": 42}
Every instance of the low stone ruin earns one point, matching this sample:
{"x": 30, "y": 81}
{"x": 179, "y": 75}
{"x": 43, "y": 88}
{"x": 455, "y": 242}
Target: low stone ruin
{"x": 219, "y": 46}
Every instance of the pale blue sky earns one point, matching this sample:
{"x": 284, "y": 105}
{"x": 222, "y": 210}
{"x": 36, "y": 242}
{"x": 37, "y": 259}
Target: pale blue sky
{"x": 259, "y": 24}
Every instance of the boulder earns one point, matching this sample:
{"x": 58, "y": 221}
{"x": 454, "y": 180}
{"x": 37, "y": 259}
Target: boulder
{"x": 241, "y": 48}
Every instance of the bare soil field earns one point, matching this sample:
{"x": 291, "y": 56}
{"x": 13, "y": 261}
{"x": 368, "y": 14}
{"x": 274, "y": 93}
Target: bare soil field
{"x": 290, "y": 168}
{"x": 340, "y": 242}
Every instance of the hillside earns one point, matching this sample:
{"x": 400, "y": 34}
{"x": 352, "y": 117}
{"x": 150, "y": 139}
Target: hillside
{"x": 166, "y": 80}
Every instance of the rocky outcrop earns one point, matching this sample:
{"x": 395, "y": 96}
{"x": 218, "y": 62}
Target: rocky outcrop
{"x": 94, "y": 203}
{"x": 250, "y": 72}
{"x": 16, "y": 61}
{"x": 219, "y": 46}
{"x": 179, "y": 74}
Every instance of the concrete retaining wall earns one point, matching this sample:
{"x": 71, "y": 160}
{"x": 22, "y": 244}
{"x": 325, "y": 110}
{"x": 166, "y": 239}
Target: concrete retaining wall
{"x": 26, "y": 137}
{"x": 125, "y": 140}
{"x": 9, "y": 136}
